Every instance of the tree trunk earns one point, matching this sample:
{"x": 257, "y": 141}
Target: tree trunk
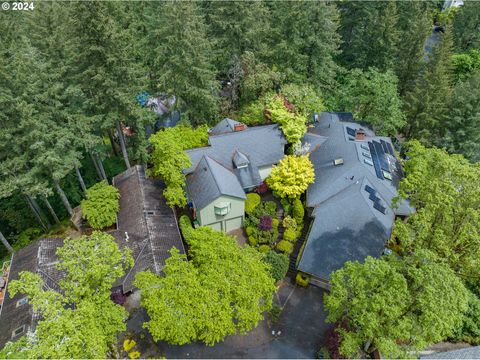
{"x": 50, "y": 208}
{"x": 112, "y": 142}
{"x": 37, "y": 215}
{"x": 99, "y": 173}
{"x": 100, "y": 166}
{"x": 80, "y": 179}
{"x": 65, "y": 201}
{"x": 40, "y": 212}
{"x": 122, "y": 144}
{"x": 5, "y": 243}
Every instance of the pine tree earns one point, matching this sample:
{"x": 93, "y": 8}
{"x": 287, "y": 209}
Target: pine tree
{"x": 426, "y": 106}
{"x": 306, "y": 41}
{"x": 466, "y": 26}
{"x": 237, "y": 27}
{"x": 369, "y": 33}
{"x": 183, "y": 59}
{"x": 414, "y": 24}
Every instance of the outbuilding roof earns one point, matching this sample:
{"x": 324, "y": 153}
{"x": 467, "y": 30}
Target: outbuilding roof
{"x": 145, "y": 223}
{"x": 210, "y": 180}
{"x": 225, "y": 126}
{"x": 38, "y": 257}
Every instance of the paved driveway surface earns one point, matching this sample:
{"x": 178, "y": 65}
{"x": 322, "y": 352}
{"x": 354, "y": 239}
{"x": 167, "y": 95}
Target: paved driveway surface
{"x": 301, "y": 325}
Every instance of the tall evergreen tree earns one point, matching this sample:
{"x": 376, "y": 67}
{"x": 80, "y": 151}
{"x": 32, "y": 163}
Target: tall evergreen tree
{"x": 466, "y": 26}
{"x": 306, "y": 41}
{"x": 236, "y": 27}
{"x": 414, "y": 24}
{"x": 369, "y": 34}
{"x": 426, "y": 106}
{"x": 183, "y": 59}
{"x": 463, "y": 123}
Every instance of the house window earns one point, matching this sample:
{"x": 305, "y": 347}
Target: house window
{"x": 222, "y": 209}
{"x": 18, "y": 331}
{"x": 22, "y": 301}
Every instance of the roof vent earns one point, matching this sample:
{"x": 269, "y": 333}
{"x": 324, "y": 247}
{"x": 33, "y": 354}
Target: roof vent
{"x": 360, "y": 134}
{"x": 338, "y": 162}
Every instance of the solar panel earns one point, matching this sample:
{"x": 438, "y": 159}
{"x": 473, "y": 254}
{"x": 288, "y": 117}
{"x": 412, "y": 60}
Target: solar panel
{"x": 379, "y": 207}
{"x": 369, "y": 189}
{"x": 381, "y": 155}
{"x": 384, "y": 145}
{"x": 390, "y": 149}
{"x": 376, "y": 162}
{"x": 350, "y": 131}
{"x": 374, "y": 197}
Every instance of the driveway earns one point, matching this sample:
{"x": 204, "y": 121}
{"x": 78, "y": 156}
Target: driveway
{"x": 299, "y": 332}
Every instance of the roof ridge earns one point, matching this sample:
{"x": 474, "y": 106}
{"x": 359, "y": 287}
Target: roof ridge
{"x": 248, "y": 129}
{"x": 207, "y": 158}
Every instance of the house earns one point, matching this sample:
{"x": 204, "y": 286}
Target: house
{"x": 144, "y": 223}
{"x": 16, "y": 315}
{"x": 237, "y": 159}
{"x": 352, "y": 198}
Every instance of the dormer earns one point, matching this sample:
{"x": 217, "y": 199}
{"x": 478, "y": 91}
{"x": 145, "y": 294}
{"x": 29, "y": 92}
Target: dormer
{"x": 240, "y": 160}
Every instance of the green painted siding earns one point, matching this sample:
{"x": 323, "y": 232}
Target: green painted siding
{"x": 207, "y": 216}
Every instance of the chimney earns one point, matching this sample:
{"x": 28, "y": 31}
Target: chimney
{"x": 239, "y": 127}
{"x": 360, "y": 134}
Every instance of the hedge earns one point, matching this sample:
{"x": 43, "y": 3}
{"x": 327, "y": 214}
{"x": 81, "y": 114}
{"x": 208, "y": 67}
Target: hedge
{"x": 253, "y": 200}
{"x": 298, "y": 211}
{"x": 185, "y": 227}
{"x": 278, "y": 264}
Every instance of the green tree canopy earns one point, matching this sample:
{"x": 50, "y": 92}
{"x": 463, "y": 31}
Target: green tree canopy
{"x": 445, "y": 192}
{"x": 224, "y": 289}
{"x": 394, "y": 306}
{"x": 466, "y": 64}
{"x": 373, "y": 97}
{"x": 465, "y": 26}
{"x": 169, "y": 158}
{"x": 82, "y": 321}
{"x": 101, "y": 206}
{"x": 293, "y": 125}
{"x": 291, "y": 177}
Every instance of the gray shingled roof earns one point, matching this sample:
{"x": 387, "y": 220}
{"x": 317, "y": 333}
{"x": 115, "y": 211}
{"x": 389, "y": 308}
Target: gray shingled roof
{"x": 264, "y": 145}
{"x": 211, "y": 180}
{"x": 225, "y": 126}
{"x": 472, "y": 352}
{"x": 38, "y": 257}
{"x": 346, "y": 226}
{"x": 145, "y": 223}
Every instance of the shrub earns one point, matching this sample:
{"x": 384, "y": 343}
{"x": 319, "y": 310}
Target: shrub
{"x": 275, "y": 223}
{"x": 285, "y": 247}
{"x": 332, "y": 342}
{"x": 289, "y": 223}
{"x": 26, "y": 237}
{"x": 249, "y": 230}
{"x": 278, "y": 264}
{"x": 252, "y": 241}
{"x": 185, "y": 227}
{"x": 270, "y": 208}
{"x": 469, "y": 329}
{"x": 262, "y": 188}
{"x": 298, "y": 211}
{"x": 265, "y": 223}
{"x": 253, "y": 200}
{"x": 275, "y": 312}
{"x": 264, "y": 248}
{"x": 286, "y": 205}
{"x": 290, "y": 235}
{"x": 101, "y": 206}
{"x": 302, "y": 279}
{"x": 267, "y": 237}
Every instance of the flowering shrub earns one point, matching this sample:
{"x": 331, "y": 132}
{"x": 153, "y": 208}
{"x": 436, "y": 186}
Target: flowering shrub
{"x": 262, "y": 188}
{"x": 265, "y": 223}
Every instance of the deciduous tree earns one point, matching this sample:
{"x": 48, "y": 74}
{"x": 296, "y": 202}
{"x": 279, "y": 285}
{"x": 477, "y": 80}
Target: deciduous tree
{"x": 291, "y": 177}
{"x": 223, "y": 290}
{"x": 101, "y": 206}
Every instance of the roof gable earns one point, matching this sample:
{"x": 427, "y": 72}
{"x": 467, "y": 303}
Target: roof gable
{"x": 225, "y": 126}
{"x": 211, "y": 180}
